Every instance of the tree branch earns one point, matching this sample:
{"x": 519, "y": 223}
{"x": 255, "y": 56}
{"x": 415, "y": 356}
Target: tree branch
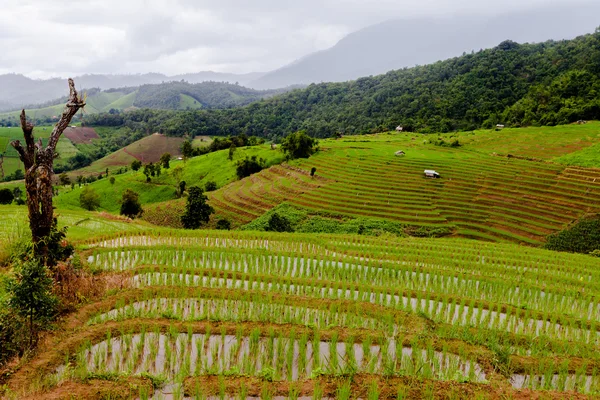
{"x": 22, "y": 155}
{"x": 71, "y": 108}
{"x": 27, "y": 128}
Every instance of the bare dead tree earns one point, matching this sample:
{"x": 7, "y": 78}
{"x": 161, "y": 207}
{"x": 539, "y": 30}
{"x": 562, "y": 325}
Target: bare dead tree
{"x": 39, "y": 162}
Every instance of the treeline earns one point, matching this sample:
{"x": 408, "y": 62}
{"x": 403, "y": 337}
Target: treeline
{"x": 514, "y": 84}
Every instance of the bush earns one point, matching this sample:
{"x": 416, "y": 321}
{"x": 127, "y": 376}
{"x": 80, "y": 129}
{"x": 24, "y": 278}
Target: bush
{"x": 278, "y": 223}
{"x": 89, "y": 199}
{"x": 224, "y": 224}
{"x": 197, "y": 210}
{"x": 6, "y": 196}
{"x": 130, "y": 204}
{"x": 136, "y": 165}
{"x": 30, "y": 296}
{"x": 249, "y": 166}
{"x": 210, "y": 186}
{"x": 299, "y": 145}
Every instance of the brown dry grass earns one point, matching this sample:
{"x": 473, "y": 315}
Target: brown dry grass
{"x": 81, "y": 135}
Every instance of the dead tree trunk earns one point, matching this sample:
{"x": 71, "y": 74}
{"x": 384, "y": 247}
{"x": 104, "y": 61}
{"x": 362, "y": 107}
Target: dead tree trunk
{"x": 38, "y": 162}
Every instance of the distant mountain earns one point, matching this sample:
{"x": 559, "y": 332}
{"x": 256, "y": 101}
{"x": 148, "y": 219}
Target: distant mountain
{"x": 19, "y": 91}
{"x": 175, "y": 95}
{"x": 400, "y": 43}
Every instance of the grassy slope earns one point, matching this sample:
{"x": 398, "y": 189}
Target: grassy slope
{"x": 484, "y": 196}
{"x": 81, "y": 224}
{"x": 188, "y": 102}
{"x": 65, "y": 148}
{"x": 197, "y": 171}
{"x": 100, "y": 102}
{"x": 148, "y": 149}
{"x": 122, "y": 103}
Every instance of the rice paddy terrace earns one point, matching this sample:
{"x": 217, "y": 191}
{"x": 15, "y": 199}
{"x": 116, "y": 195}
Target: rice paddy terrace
{"x": 248, "y": 314}
{"x": 507, "y": 196}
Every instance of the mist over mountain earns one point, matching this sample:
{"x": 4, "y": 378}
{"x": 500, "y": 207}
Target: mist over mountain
{"x": 400, "y": 43}
{"x": 19, "y": 91}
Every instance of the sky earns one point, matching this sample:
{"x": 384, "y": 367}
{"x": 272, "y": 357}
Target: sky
{"x": 58, "y": 38}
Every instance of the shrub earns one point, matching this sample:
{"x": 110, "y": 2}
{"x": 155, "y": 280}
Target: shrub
{"x": 6, "y": 196}
{"x": 136, "y": 165}
{"x": 112, "y": 180}
{"x": 249, "y": 166}
{"x": 312, "y": 171}
{"x": 31, "y": 296}
{"x": 130, "y": 204}
{"x": 89, "y": 199}
{"x": 197, "y": 210}
{"x": 210, "y": 186}
{"x": 224, "y": 224}
{"x": 278, "y": 223}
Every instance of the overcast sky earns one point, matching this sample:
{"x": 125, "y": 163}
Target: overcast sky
{"x": 56, "y": 38}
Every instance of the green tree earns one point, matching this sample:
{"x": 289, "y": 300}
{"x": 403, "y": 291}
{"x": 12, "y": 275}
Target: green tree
{"x": 64, "y": 179}
{"x": 165, "y": 160}
{"x": 249, "y": 166}
{"x": 181, "y": 187}
{"x": 312, "y": 171}
{"x": 89, "y": 199}
{"x": 197, "y": 210}
{"x": 149, "y": 171}
{"x": 232, "y": 149}
{"x": 136, "y": 165}
{"x": 279, "y": 223}
{"x": 6, "y": 196}
{"x": 31, "y": 296}
{"x": 130, "y": 204}
{"x": 298, "y": 145}
{"x": 187, "y": 150}
{"x": 112, "y": 180}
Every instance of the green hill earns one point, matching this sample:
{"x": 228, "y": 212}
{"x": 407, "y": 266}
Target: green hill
{"x": 165, "y": 96}
{"x": 197, "y": 171}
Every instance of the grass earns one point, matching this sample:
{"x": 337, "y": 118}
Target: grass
{"x": 275, "y": 309}
{"x": 482, "y": 195}
{"x": 11, "y": 163}
{"x": 196, "y": 171}
{"x": 81, "y": 224}
{"x": 147, "y": 149}
{"x": 188, "y": 103}
{"x": 337, "y": 313}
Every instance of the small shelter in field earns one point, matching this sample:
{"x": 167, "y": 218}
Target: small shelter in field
{"x": 399, "y": 128}
{"x": 429, "y": 173}
{"x": 273, "y": 146}
{"x": 499, "y": 126}
{"x": 400, "y": 153}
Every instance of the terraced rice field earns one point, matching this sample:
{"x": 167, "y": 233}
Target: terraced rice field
{"x": 482, "y": 196}
{"x": 248, "y": 314}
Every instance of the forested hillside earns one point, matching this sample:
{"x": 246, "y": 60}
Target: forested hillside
{"x": 179, "y": 95}
{"x": 517, "y": 84}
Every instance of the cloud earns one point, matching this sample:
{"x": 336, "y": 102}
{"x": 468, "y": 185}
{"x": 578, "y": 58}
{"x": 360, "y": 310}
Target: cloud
{"x": 43, "y": 38}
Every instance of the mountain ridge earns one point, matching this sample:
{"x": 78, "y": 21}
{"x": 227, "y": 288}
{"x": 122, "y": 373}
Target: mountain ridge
{"x": 400, "y": 43}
